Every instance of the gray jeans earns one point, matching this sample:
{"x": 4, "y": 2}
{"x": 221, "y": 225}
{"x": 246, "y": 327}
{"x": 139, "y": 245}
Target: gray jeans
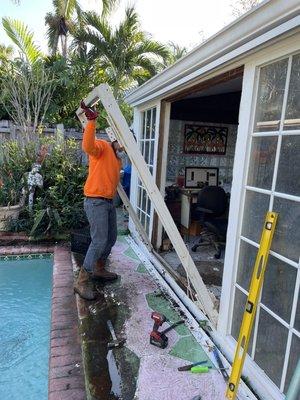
{"x": 102, "y": 218}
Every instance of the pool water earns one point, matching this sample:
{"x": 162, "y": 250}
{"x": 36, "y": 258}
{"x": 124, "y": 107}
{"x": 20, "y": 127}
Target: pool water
{"x": 25, "y": 310}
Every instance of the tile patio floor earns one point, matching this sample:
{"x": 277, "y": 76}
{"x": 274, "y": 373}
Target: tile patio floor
{"x": 139, "y": 370}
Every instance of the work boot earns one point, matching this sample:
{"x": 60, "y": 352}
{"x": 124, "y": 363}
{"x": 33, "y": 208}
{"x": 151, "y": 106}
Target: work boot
{"x": 100, "y": 273}
{"x": 84, "y": 286}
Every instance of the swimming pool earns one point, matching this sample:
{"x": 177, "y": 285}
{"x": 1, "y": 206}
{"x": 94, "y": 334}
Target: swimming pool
{"x": 25, "y": 311}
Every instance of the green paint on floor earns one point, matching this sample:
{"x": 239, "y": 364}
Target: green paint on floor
{"x": 142, "y": 269}
{"x": 189, "y": 349}
{"x": 159, "y": 303}
{"x": 122, "y": 239}
{"x": 130, "y": 253}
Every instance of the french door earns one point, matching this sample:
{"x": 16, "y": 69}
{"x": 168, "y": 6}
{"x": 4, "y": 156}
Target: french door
{"x": 272, "y": 182}
{"x": 146, "y": 139}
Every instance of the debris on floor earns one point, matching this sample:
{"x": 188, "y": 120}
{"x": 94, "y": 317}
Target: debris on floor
{"x": 138, "y": 370}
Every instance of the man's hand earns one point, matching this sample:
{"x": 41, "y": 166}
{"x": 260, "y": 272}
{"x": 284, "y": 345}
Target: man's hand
{"x": 89, "y": 112}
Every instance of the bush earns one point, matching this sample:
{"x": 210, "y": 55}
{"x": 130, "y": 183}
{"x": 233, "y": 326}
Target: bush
{"x": 58, "y": 206}
{"x": 15, "y": 161}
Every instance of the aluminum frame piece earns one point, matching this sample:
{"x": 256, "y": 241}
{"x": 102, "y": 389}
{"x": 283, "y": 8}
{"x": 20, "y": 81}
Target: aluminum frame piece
{"x": 125, "y": 138}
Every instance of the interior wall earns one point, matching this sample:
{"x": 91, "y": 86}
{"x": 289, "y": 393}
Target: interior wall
{"x": 178, "y": 160}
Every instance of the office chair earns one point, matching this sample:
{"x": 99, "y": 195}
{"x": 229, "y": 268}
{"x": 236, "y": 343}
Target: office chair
{"x": 212, "y": 204}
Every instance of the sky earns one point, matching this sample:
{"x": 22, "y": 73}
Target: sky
{"x": 185, "y": 22}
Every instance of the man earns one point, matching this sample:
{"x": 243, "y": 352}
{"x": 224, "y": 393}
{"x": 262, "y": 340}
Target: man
{"x": 99, "y": 190}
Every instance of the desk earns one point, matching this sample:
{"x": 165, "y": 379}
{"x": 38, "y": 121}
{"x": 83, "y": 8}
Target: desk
{"x": 188, "y": 197}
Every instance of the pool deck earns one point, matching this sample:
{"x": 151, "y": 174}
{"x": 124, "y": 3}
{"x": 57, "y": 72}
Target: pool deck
{"x": 66, "y": 380}
{"x": 138, "y": 370}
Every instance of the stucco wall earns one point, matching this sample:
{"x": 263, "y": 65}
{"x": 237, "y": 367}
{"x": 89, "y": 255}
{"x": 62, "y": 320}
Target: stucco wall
{"x": 178, "y": 160}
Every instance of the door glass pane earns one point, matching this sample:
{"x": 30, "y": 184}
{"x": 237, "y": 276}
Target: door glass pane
{"x": 270, "y": 96}
{"x": 139, "y": 196}
{"x": 287, "y": 232}
{"x": 246, "y": 263}
{"x": 153, "y": 124}
{"x": 262, "y": 160}
{"x": 144, "y": 200}
{"x": 288, "y": 180}
{"x": 278, "y": 287}
{"x": 142, "y": 146}
{"x": 292, "y": 117}
{"x": 238, "y": 311}
{"x": 146, "y": 151}
{"x": 148, "y": 126}
{"x": 293, "y": 360}
{"x": 148, "y": 205}
{"x": 256, "y": 206}
{"x": 143, "y": 219}
{"x": 147, "y": 224}
{"x": 144, "y": 126}
{"x": 270, "y": 346}
{"x": 152, "y": 152}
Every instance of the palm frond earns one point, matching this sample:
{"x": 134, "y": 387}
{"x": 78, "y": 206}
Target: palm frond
{"x": 108, "y": 6}
{"x": 19, "y": 33}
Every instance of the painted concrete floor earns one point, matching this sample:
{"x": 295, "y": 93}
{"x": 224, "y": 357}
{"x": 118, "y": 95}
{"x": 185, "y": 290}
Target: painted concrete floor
{"x": 139, "y": 370}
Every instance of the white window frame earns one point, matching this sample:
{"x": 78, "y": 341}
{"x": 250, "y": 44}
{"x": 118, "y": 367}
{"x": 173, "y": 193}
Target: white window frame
{"x": 137, "y": 127}
{"x": 258, "y": 378}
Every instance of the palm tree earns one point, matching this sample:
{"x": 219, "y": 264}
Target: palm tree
{"x": 126, "y": 53}
{"x": 62, "y": 22}
{"x": 176, "y": 52}
{"x": 19, "y": 33}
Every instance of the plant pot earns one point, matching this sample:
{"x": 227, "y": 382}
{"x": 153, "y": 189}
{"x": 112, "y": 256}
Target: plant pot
{"x": 10, "y": 213}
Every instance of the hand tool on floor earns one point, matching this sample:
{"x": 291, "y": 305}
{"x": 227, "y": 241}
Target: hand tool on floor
{"x": 199, "y": 369}
{"x": 157, "y": 338}
{"x": 220, "y": 364}
{"x": 189, "y": 366}
{"x": 116, "y": 342}
{"x": 251, "y": 303}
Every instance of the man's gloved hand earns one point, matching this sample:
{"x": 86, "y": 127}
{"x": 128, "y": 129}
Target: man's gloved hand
{"x": 89, "y": 112}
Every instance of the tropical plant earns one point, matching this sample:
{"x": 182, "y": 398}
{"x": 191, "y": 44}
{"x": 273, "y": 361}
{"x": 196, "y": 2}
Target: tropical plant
{"x": 63, "y": 21}
{"x": 15, "y": 162}
{"x": 175, "y": 53}
{"x": 26, "y": 95}
{"x": 125, "y": 54}
{"x": 58, "y": 206}
{"x": 61, "y": 200}
{"x": 19, "y": 33}
{"x": 6, "y": 53}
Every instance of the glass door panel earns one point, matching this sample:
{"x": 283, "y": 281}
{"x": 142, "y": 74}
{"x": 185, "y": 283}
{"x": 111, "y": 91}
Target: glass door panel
{"x": 272, "y": 183}
{"x": 147, "y": 146}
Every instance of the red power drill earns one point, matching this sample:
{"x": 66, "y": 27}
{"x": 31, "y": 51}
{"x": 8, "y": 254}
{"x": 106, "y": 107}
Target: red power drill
{"x": 157, "y": 338}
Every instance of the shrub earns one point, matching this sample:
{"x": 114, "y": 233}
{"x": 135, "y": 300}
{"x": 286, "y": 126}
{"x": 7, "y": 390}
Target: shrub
{"x": 15, "y": 161}
{"x": 58, "y": 206}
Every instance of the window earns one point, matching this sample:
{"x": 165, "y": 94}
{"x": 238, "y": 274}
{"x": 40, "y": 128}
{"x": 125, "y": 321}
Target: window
{"x": 147, "y": 147}
{"x": 273, "y": 183}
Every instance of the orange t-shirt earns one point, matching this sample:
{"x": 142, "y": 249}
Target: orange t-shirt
{"x": 104, "y": 166}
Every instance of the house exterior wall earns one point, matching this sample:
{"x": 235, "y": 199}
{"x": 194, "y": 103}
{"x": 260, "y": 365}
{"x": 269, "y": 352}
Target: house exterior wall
{"x": 178, "y": 160}
{"x": 261, "y": 381}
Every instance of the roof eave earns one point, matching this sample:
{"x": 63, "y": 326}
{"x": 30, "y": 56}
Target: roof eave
{"x": 254, "y": 23}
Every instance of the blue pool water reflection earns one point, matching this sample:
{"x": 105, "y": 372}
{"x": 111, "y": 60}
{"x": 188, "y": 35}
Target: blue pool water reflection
{"x": 25, "y": 308}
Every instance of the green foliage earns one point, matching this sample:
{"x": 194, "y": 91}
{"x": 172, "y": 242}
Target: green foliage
{"x": 126, "y": 55}
{"x": 22, "y": 38}
{"x": 58, "y": 206}
{"x": 14, "y": 163}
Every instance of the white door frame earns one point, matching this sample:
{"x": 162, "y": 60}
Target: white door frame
{"x": 258, "y": 378}
{"x": 137, "y": 126}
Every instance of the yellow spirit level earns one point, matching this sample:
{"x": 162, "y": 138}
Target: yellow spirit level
{"x": 251, "y": 304}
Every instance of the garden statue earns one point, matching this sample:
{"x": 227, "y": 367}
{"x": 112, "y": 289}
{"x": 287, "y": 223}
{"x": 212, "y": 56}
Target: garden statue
{"x": 34, "y": 180}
